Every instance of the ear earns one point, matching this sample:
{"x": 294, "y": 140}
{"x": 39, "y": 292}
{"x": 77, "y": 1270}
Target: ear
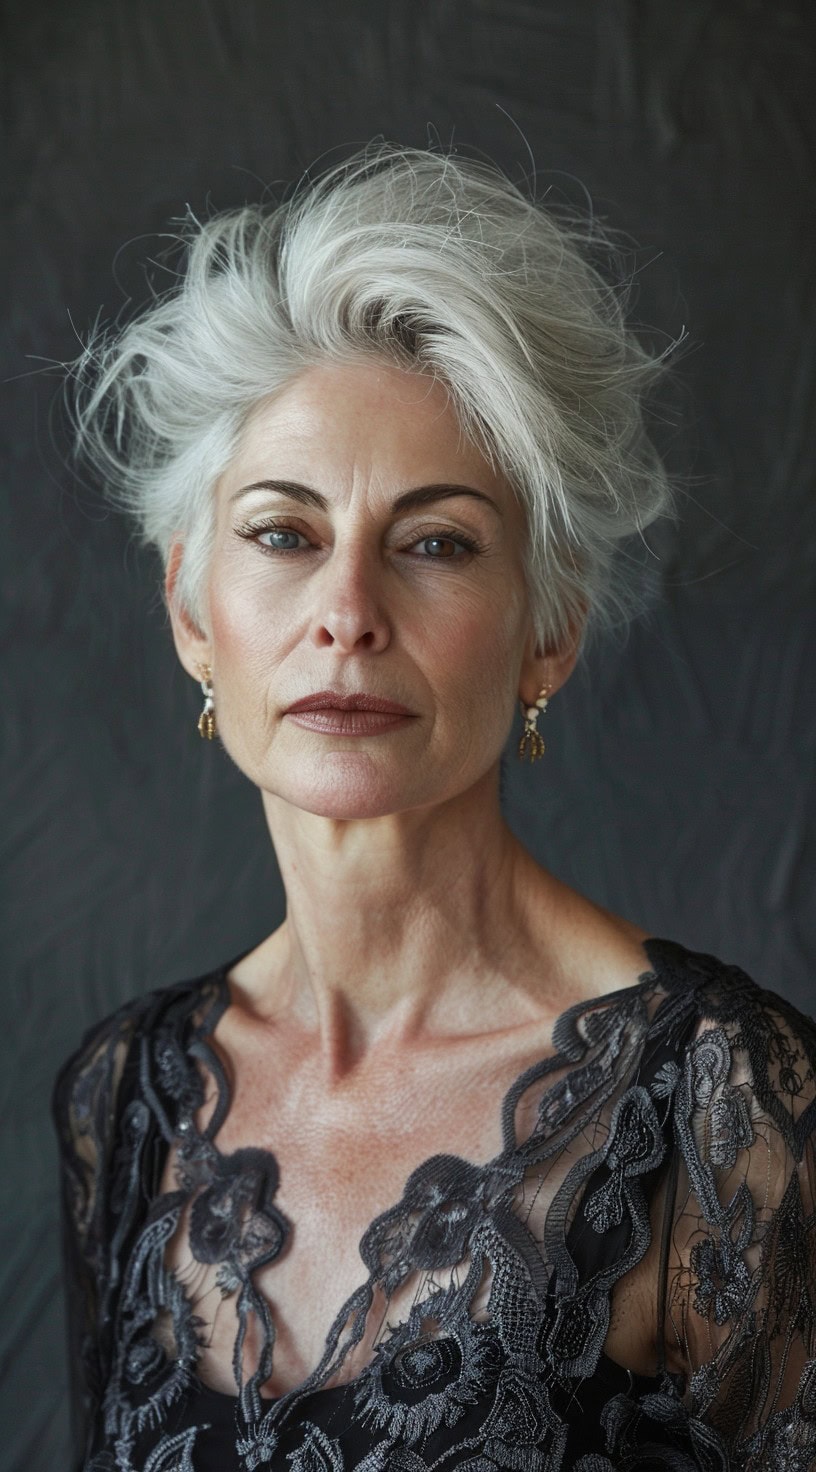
{"x": 193, "y": 646}
{"x": 551, "y": 665}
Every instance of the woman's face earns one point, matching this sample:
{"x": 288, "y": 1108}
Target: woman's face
{"x": 363, "y": 547}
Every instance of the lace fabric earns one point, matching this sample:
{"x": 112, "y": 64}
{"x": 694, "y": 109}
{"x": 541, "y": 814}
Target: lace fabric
{"x": 674, "y": 1118}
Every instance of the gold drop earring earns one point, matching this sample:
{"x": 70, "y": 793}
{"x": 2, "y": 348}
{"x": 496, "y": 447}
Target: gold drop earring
{"x": 206, "y": 721}
{"x": 532, "y": 741}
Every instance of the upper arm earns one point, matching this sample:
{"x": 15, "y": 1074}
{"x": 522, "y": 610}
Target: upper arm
{"x": 84, "y": 1108}
{"x": 742, "y": 1265}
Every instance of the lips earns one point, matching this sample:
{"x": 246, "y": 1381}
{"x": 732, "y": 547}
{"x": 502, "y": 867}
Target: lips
{"x": 333, "y": 700}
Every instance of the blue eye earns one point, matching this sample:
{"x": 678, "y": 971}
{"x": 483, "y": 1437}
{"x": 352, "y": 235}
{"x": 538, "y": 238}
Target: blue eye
{"x": 282, "y": 540}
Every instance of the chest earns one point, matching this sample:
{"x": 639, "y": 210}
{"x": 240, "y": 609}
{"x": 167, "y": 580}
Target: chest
{"x": 338, "y": 1167}
{"x": 344, "y": 1178}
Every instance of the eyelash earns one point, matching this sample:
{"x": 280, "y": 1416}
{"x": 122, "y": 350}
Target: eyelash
{"x": 251, "y": 531}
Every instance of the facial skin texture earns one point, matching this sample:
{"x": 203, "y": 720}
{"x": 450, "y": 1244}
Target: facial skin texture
{"x": 403, "y": 881}
{"x": 365, "y": 605}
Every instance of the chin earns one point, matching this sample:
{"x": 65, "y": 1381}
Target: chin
{"x": 346, "y": 786}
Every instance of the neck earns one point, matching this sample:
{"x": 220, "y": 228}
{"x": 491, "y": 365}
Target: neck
{"x": 416, "y": 923}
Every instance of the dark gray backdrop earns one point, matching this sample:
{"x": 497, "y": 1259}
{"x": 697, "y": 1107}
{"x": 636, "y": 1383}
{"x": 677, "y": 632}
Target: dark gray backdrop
{"x": 678, "y": 783}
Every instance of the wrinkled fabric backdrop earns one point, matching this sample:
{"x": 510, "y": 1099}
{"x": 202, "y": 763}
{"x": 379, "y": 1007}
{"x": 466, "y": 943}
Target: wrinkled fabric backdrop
{"x": 678, "y": 785}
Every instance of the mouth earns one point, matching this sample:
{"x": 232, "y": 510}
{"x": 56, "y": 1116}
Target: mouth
{"x": 334, "y": 714}
{"x": 333, "y": 700}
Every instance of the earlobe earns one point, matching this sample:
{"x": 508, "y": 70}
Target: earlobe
{"x": 547, "y": 671}
{"x": 561, "y": 659}
{"x": 563, "y": 663}
{"x": 192, "y": 644}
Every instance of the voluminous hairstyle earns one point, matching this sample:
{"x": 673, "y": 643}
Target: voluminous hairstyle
{"x": 439, "y": 264}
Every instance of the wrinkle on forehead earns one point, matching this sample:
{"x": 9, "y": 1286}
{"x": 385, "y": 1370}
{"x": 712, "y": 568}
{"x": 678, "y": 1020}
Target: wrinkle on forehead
{"x": 347, "y": 429}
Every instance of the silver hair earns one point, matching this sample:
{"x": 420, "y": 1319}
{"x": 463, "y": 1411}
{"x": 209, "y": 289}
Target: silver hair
{"x": 442, "y": 265}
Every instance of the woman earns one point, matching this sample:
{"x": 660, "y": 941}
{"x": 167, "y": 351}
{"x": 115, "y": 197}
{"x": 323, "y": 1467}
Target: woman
{"x": 456, "y": 1168}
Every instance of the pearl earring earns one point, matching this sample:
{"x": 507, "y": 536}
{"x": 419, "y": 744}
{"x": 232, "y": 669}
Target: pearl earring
{"x": 206, "y": 721}
{"x": 531, "y": 740}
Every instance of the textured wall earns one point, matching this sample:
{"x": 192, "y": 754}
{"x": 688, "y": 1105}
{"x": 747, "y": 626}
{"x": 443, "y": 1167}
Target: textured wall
{"x": 678, "y": 786}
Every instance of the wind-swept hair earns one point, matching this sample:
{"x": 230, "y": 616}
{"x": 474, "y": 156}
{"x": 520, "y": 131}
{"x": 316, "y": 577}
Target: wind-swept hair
{"x": 437, "y": 263}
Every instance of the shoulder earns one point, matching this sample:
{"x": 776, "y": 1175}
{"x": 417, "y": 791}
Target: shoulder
{"x": 743, "y": 1036}
{"x": 90, "y": 1078}
{"x": 720, "y": 988}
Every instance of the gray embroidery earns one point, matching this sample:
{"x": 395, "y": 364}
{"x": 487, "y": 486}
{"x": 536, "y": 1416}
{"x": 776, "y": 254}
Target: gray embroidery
{"x": 695, "y": 1084}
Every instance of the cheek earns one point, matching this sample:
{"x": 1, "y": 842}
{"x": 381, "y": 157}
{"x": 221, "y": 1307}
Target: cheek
{"x": 246, "y": 630}
{"x": 246, "y": 653}
{"x": 475, "y": 651}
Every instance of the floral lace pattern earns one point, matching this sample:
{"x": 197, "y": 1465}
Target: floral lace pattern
{"x": 677, "y": 1114}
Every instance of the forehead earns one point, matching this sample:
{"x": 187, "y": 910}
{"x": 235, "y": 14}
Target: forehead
{"x": 374, "y": 420}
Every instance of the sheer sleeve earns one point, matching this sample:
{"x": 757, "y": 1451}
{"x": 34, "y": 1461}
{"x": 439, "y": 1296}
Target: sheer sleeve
{"x": 741, "y": 1287}
{"x": 86, "y": 1108}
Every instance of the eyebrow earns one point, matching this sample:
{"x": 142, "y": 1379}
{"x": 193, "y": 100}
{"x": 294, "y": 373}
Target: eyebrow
{"x": 419, "y": 496}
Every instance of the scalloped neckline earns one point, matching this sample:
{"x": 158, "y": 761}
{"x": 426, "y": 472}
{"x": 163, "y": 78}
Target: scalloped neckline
{"x": 654, "y": 948}
{"x": 548, "y": 1061}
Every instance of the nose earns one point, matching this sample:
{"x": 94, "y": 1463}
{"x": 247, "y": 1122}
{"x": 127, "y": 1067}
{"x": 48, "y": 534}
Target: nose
{"x": 350, "y": 615}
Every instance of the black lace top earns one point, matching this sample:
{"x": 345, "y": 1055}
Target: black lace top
{"x": 676, "y": 1116}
